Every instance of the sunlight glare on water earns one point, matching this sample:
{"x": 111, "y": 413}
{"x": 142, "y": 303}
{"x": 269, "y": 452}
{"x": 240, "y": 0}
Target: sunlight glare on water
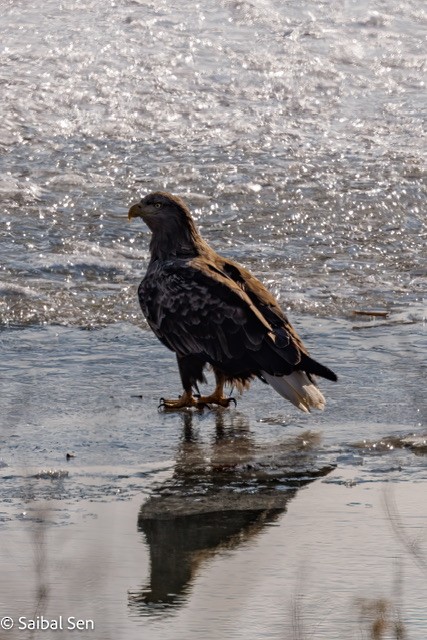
{"x": 295, "y": 130}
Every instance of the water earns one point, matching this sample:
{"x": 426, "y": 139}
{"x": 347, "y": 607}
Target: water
{"x": 298, "y": 130}
{"x": 295, "y": 133}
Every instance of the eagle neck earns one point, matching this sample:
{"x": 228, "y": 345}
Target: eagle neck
{"x": 177, "y": 240}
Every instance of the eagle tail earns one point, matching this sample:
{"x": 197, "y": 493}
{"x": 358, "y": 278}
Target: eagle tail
{"x": 298, "y": 389}
{"x": 312, "y": 366}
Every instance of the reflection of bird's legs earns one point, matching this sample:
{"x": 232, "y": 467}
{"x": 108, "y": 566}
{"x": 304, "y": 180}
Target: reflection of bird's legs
{"x": 217, "y": 397}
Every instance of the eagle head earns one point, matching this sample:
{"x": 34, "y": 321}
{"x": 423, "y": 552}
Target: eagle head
{"x": 160, "y": 209}
{"x": 171, "y": 224}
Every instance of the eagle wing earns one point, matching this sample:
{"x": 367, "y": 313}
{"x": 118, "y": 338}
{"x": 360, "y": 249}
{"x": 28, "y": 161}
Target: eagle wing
{"x": 265, "y": 302}
{"x": 285, "y": 336}
{"x": 196, "y": 307}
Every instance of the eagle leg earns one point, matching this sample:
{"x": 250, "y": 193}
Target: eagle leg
{"x": 217, "y": 397}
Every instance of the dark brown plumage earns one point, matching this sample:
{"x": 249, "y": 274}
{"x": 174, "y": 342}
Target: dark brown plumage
{"x": 210, "y": 310}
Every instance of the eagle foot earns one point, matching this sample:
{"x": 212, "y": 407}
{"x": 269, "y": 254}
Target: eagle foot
{"x": 183, "y": 402}
{"x": 206, "y": 401}
{"x": 187, "y": 400}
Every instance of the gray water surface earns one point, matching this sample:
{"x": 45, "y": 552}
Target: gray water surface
{"x": 295, "y": 132}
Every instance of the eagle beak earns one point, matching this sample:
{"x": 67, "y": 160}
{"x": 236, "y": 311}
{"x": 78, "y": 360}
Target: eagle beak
{"x": 135, "y": 211}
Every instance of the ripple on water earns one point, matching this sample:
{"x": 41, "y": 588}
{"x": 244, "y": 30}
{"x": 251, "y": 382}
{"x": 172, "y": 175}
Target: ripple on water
{"x": 307, "y": 146}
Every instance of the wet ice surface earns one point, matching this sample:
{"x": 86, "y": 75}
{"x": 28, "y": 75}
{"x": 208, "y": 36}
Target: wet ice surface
{"x": 94, "y": 395}
{"x": 229, "y": 523}
{"x": 305, "y": 558}
{"x": 295, "y": 132}
{"x": 80, "y": 418}
{"x": 186, "y": 506}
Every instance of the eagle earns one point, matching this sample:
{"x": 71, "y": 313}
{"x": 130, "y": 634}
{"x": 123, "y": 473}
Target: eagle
{"x": 211, "y": 311}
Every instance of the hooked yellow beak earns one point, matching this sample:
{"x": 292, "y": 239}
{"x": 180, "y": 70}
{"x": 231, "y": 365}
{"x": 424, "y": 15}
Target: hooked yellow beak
{"x": 135, "y": 211}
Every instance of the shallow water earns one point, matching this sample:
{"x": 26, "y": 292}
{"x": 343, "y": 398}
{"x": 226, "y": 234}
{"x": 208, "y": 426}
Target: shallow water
{"x": 295, "y": 133}
{"x": 306, "y": 566}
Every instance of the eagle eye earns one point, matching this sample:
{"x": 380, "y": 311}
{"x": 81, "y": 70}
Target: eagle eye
{"x": 157, "y": 205}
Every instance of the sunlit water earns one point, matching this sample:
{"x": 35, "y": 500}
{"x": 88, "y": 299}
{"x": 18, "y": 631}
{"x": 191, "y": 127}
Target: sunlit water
{"x": 295, "y": 133}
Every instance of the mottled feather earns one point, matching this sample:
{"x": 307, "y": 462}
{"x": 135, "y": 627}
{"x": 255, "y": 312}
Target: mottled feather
{"x": 210, "y": 310}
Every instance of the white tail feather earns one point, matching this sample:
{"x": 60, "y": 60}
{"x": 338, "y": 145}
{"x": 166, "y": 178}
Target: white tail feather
{"x": 298, "y": 389}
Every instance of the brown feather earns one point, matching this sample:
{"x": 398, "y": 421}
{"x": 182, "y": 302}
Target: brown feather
{"x": 209, "y": 309}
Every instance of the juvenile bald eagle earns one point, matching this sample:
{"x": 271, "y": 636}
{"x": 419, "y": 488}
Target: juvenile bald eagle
{"x": 210, "y": 310}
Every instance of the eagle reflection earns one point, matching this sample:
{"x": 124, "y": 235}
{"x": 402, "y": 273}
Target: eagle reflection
{"x": 222, "y": 494}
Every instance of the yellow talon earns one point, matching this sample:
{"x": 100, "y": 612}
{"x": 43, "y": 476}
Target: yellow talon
{"x": 186, "y": 400}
